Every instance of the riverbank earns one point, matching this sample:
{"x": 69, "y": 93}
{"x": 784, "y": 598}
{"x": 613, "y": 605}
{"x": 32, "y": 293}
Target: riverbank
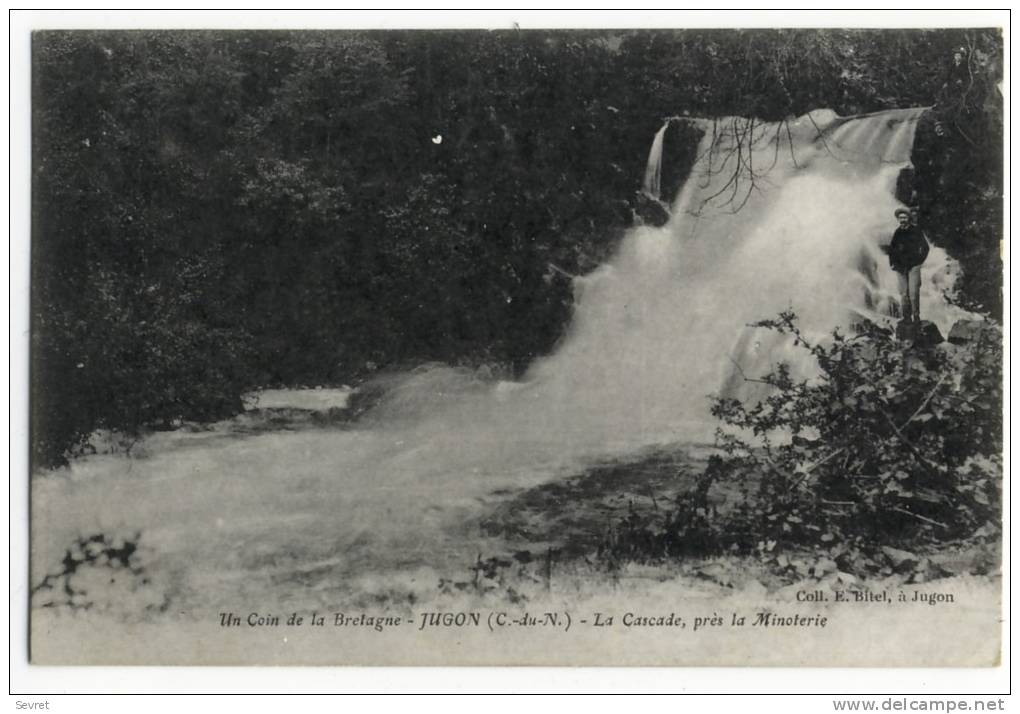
{"x": 212, "y": 535}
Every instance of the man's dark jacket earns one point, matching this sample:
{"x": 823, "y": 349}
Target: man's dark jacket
{"x": 907, "y": 249}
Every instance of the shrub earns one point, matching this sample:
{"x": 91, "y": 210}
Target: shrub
{"x": 127, "y": 366}
{"x": 886, "y": 446}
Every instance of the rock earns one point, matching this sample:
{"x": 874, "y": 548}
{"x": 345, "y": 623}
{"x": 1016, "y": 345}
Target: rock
{"x": 905, "y": 185}
{"x": 922, "y": 334}
{"x": 901, "y": 560}
{"x": 923, "y": 572}
{"x": 965, "y": 331}
{"x": 952, "y": 564}
{"x": 717, "y": 573}
{"x": 823, "y": 566}
{"x": 928, "y": 335}
{"x": 651, "y": 210}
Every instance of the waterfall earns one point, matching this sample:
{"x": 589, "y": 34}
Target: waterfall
{"x": 652, "y": 185}
{"x": 774, "y": 216}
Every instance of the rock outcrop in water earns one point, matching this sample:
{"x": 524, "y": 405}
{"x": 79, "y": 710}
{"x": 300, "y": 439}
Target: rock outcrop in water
{"x": 965, "y": 331}
{"x": 651, "y": 211}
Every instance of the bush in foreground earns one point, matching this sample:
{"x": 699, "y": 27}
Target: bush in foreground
{"x": 887, "y": 448}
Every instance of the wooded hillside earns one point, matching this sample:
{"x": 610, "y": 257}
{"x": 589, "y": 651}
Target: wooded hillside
{"x": 217, "y": 211}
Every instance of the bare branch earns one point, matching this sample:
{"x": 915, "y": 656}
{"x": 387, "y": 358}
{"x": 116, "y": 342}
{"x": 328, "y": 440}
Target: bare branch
{"x": 926, "y": 400}
{"x": 909, "y": 444}
{"x": 789, "y": 137}
{"x": 743, "y": 375}
{"x": 919, "y": 517}
{"x": 821, "y": 135}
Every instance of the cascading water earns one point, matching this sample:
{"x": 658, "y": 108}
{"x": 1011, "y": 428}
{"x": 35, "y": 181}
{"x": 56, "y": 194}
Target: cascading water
{"x": 236, "y": 516}
{"x": 773, "y": 217}
{"x": 652, "y": 185}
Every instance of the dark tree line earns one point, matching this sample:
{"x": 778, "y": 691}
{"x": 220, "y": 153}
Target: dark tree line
{"x": 215, "y": 211}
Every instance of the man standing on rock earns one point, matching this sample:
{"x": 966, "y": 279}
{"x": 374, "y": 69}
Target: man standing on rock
{"x": 907, "y": 251}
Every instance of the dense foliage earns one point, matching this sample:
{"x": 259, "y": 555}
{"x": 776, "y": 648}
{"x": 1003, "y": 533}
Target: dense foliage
{"x": 884, "y": 446}
{"x": 958, "y": 182}
{"x": 214, "y": 211}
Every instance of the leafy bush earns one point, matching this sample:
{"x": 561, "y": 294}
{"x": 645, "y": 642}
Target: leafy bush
{"x": 885, "y": 446}
{"x": 134, "y": 359}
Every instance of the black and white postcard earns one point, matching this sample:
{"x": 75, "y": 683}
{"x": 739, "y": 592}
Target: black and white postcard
{"x": 662, "y": 346}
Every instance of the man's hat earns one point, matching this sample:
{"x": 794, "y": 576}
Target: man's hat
{"x": 901, "y": 212}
